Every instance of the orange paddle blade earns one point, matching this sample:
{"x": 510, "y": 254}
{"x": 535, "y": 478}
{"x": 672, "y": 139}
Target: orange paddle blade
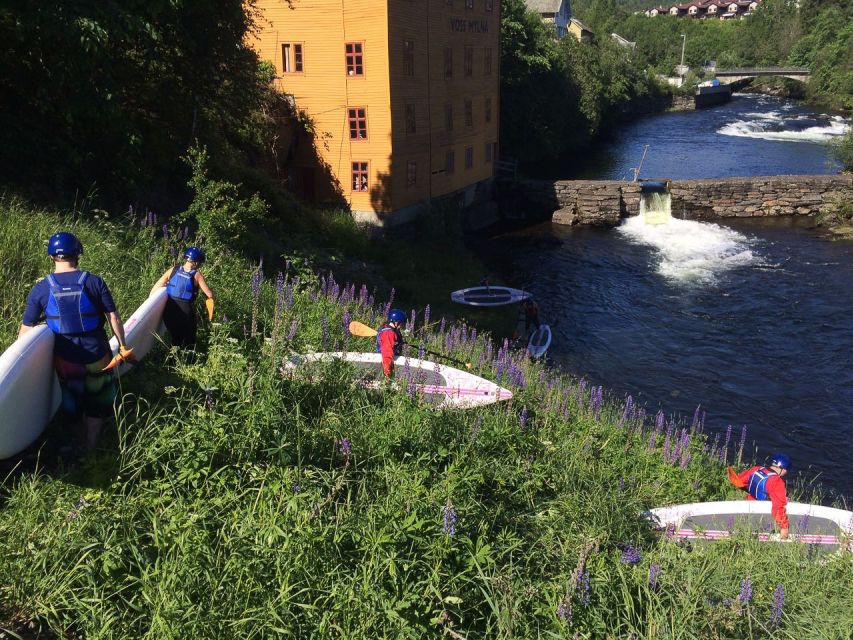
{"x": 740, "y": 484}
{"x": 361, "y": 329}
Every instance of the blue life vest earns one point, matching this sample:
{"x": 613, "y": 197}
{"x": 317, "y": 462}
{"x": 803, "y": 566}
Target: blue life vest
{"x": 398, "y": 346}
{"x": 181, "y": 285}
{"x": 69, "y": 309}
{"x": 758, "y": 482}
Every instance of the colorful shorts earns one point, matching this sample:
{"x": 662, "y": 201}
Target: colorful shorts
{"x": 86, "y": 389}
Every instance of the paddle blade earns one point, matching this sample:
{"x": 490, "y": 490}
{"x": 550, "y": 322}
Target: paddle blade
{"x": 360, "y": 329}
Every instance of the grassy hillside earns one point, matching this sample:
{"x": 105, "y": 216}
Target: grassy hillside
{"x": 233, "y": 499}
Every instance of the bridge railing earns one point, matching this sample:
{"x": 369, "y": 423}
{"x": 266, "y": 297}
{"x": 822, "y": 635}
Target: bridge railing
{"x": 749, "y": 71}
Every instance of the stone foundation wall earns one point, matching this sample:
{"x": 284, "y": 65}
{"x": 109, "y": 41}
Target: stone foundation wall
{"x": 604, "y": 202}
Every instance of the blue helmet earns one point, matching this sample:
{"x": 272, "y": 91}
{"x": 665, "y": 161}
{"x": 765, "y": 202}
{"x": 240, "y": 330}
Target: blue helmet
{"x": 195, "y": 254}
{"x": 64, "y": 245}
{"x": 780, "y": 460}
{"x": 396, "y": 315}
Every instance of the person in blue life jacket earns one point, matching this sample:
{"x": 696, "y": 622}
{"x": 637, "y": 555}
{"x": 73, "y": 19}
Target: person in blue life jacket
{"x": 389, "y": 339}
{"x": 183, "y": 283}
{"x": 75, "y": 305}
{"x": 767, "y": 483}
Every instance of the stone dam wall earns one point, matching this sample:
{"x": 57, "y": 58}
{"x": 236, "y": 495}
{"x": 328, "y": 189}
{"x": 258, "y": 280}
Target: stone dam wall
{"x": 605, "y": 202}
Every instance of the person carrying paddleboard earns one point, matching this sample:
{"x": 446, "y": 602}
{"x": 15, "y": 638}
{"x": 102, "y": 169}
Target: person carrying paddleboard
{"x": 767, "y": 483}
{"x": 75, "y": 304}
{"x": 183, "y": 283}
{"x": 389, "y": 340}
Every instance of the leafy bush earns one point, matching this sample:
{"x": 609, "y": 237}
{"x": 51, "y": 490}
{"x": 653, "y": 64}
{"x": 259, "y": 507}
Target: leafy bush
{"x": 222, "y": 215}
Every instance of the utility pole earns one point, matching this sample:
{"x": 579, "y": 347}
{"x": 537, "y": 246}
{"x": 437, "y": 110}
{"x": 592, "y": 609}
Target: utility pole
{"x": 683, "y": 43}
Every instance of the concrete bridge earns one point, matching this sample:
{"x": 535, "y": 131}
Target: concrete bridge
{"x": 731, "y": 76}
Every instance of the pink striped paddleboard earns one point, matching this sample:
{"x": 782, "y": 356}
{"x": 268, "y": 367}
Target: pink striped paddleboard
{"x": 437, "y": 384}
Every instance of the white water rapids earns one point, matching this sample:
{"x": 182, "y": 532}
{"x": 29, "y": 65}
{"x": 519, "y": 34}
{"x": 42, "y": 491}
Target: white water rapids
{"x": 691, "y": 252}
{"x": 786, "y": 127}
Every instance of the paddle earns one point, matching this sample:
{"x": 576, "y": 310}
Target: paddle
{"x": 360, "y": 329}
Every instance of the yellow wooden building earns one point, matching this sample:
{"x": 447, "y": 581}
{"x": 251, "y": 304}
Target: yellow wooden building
{"x": 403, "y": 96}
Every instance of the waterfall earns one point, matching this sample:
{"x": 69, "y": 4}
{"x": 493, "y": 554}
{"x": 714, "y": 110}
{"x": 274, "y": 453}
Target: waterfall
{"x": 655, "y": 207}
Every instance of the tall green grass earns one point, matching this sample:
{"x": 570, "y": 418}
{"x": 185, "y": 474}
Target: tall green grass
{"x": 235, "y": 498}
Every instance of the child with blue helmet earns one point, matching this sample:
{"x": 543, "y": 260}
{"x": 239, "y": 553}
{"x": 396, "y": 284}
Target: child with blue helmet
{"x": 767, "y": 483}
{"x": 75, "y": 305}
{"x": 183, "y": 283}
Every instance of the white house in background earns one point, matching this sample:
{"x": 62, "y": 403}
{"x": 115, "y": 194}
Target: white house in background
{"x": 558, "y": 12}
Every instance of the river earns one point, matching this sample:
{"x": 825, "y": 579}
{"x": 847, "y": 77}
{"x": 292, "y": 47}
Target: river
{"x": 751, "y": 319}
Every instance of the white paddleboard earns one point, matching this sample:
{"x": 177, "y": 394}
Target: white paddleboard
{"x": 809, "y": 523}
{"x": 539, "y": 341}
{"x": 29, "y": 390}
{"x": 142, "y": 327}
{"x": 488, "y": 296}
{"x": 439, "y": 385}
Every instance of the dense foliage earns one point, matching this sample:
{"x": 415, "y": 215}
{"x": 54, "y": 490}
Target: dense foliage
{"x": 238, "y": 499}
{"x": 817, "y": 34}
{"x": 107, "y": 96}
{"x": 558, "y": 95}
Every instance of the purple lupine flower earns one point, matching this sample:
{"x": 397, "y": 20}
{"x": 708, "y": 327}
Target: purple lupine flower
{"x": 209, "y": 401}
{"x": 324, "y": 324}
{"x": 621, "y": 484}
{"x": 652, "y": 440}
{"x": 724, "y": 452}
{"x": 165, "y": 230}
{"x": 742, "y": 443}
{"x": 426, "y": 316}
{"x": 695, "y": 424}
{"x": 745, "y": 591}
{"x": 685, "y": 459}
{"x": 595, "y": 398}
{"x": 803, "y": 523}
{"x": 778, "y": 603}
{"x": 257, "y": 281}
{"x": 391, "y": 297}
{"x": 626, "y": 411}
{"x": 421, "y": 351}
{"x": 449, "y": 519}
{"x": 288, "y": 296}
{"x": 297, "y": 488}
{"x": 362, "y": 295}
{"x": 345, "y": 446}
{"x": 660, "y": 420}
{"x": 291, "y": 333}
{"x": 727, "y": 603}
{"x": 407, "y": 369}
{"x": 410, "y": 323}
{"x": 522, "y": 419}
{"x": 564, "y": 611}
{"x": 654, "y": 574}
{"x": 670, "y": 530}
{"x": 441, "y": 325}
{"x": 730, "y": 522}
{"x": 630, "y": 555}
{"x": 345, "y": 322}
{"x": 582, "y": 588}
{"x": 475, "y": 428}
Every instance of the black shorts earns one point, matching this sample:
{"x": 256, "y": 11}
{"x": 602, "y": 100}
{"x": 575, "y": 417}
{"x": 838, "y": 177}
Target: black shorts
{"x": 180, "y": 320}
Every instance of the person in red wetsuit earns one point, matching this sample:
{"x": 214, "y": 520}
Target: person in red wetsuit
{"x": 389, "y": 340}
{"x": 767, "y": 483}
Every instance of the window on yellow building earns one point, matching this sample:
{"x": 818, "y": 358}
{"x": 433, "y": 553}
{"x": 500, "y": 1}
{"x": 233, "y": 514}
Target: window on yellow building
{"x": 359, "y": 176}
{"x": 469, "y": 4}
{"x": 490, "y": 4}
{"x": 488, "y": 149}
{"x": 411, "y": 173}
{"x": 411, "y": 123}
{"x": 469, "y": 113}
{"x": 487, "y": 61}
{"x": 291, "y": 57}
{"x": 469, "y": 61}
{"x": 448, "y": 116}
{"x": 354, "y": 53}
{"x": 469, "y": 157}
{"x": 448, "y": 62}
{"x": 409, "y": 57}
{"x": 488, "y": 110}
{"x": 450, "y": 162}
{"x": 357, "y": 117}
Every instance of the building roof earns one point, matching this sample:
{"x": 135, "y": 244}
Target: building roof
{"x": 580, "y": 24}
{"x": 544, "y": 6}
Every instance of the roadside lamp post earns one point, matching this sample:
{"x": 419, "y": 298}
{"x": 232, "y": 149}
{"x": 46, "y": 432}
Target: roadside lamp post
{"x": 683, "y": 43}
